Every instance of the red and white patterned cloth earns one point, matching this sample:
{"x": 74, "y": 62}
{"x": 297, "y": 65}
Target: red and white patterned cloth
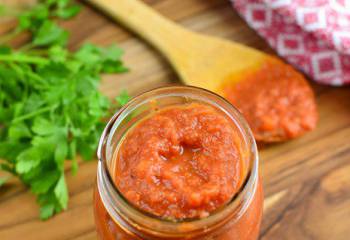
{"x": 313, "y": 35}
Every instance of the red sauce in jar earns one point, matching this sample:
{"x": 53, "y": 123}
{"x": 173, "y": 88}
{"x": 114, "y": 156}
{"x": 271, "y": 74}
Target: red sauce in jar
{"x": 180, "y": 162}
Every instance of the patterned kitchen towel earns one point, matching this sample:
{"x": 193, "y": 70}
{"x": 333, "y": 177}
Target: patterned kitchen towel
{"x": 313, "y": 35}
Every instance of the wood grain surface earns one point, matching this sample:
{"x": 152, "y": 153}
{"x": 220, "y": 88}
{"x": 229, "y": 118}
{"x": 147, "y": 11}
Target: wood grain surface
{"x": 306, "y": 181}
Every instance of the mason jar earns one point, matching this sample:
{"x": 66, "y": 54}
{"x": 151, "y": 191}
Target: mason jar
{"x": 118, "y": 219}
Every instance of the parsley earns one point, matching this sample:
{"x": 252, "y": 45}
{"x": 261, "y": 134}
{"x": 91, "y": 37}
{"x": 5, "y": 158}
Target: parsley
{"x": 3, "y": 180}
{"x": 50, "y": 106}
{"x": 122, "y": 98}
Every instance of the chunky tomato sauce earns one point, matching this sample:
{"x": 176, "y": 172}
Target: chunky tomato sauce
{"x": 276, "y": 101}
{"x": 181, "y": 162}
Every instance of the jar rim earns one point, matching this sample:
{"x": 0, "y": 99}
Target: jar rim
{"x": 122, "y": 210}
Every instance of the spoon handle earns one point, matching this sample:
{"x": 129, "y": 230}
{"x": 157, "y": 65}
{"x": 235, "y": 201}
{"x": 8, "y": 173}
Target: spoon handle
{"x": 143, "y": 20}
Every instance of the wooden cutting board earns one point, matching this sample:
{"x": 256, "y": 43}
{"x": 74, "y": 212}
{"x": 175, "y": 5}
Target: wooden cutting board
{"x": 307, "y": 181}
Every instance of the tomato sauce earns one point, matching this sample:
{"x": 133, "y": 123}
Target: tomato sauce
{"x": 276, "y": 101}
{"x": 180, "y": 162}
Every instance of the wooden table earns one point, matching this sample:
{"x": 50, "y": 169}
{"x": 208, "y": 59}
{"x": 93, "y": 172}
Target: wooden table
{"x": 307, "y": 181}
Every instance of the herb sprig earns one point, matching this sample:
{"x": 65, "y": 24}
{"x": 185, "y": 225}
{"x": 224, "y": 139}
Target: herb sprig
{"x": 50, "y": 106}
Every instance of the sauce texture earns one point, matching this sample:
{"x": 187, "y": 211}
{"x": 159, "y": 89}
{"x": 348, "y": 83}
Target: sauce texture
{"x": 276, "y": 101}
{"x": 181, "y": 162}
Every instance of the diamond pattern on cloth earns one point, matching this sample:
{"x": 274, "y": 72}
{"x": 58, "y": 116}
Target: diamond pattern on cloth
{"x": 313, "y": 35}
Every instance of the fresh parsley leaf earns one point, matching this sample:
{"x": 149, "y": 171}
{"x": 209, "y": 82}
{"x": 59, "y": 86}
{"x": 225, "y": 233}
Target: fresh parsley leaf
{"x": 3, "y": 180}
{"x": 110, "y": 66}
{"x": 112, "y": 53}
{"x": 61, "y": 192}
{"x": 61, "y": 152}
{"x": 106, "y": 60}
{"x": 46, "y": 211}
{"x": 40, "y": 11}
{"x": 24, "y": 22}
{"x": 57, "y": 53}
{"x": 44, "y": 182}
{"x": 69, "y": 12}
{"x": 50, "y": 33}
{"x": 28, "y": 159}
{"x": 61, "y": 3}
{"x": 18, "y": 131}
{"x": 87, "y": 150}
{"x": 7, "y": 152}
{"x": 88, "y": 54}
{"x": 123, "y": 98}
{"x": 42, "y": 126}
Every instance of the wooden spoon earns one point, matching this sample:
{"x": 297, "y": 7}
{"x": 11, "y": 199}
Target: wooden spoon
{"x": 275, "y": 99}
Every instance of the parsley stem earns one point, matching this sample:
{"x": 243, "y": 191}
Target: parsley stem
{"x": 42, "y": 52}
{"x": 9, "y": 36}
{"x": 23, "y": 58}
{"x": 32, "y": 114}
{"x": 26, "y": 47}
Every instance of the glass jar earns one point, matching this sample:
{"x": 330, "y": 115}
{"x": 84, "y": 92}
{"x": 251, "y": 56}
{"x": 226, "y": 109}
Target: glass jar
{"x": 117, "y": 219}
